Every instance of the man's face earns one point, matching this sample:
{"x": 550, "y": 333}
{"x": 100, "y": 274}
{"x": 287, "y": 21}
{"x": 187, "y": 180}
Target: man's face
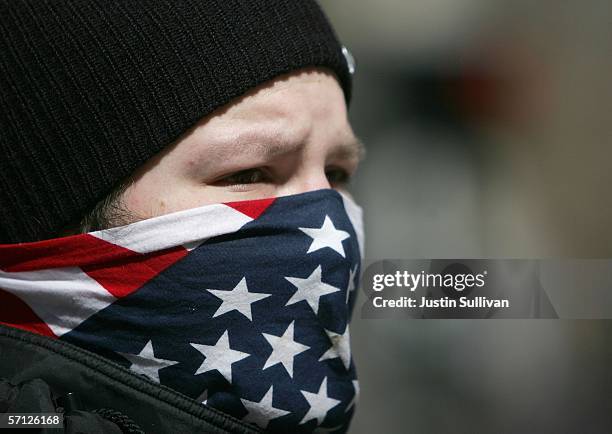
{"x": 286, "y": 137}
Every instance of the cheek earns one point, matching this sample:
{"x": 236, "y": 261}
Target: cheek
{"x": 138, "y": 199}
{"x": 149, "y": 197}
{"x": 152, "y": 195}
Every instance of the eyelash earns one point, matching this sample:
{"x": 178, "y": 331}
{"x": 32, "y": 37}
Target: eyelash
{"x": 240, "y": 178}
{"x": 335, "y": 176}
{"x": 342, "y": 176}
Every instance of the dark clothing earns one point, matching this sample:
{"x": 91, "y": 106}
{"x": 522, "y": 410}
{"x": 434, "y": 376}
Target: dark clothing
{"x": 40, "y": 375}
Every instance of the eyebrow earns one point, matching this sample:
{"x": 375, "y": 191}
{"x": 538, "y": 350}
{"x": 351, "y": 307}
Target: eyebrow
{"x": 270, "y": 149}
{"x": 353, "y": 149}
{"x": 275, "y": 146}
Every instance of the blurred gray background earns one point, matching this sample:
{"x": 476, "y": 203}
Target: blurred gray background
{"x": 489, "y": 133}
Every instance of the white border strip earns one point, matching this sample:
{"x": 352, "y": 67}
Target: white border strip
{"x": 190, "y": 227}
{"x": 63, "y": 297}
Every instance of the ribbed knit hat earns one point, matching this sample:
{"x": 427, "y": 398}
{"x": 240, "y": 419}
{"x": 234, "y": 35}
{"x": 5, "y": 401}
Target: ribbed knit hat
{"x": 91, "y": 89}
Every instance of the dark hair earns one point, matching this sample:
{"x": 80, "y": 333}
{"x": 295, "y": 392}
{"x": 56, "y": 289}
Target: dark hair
{"x": 107, "y": 213}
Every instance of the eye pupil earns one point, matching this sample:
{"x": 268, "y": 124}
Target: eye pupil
{"x": 337, "y": 176}
{"x": 254, "y": 176}
{"x": 246, "y": 177}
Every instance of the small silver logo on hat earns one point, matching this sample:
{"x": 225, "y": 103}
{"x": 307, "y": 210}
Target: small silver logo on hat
{"x": 350, "y": 60}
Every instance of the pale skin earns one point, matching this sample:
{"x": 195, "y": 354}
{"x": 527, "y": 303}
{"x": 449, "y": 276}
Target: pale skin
{"x": 288, "y": 136}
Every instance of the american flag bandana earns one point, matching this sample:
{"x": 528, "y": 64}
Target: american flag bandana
{"x": 243, "y": 306}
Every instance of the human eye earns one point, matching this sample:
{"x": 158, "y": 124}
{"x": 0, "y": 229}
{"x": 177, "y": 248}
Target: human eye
{"x": 243, "y": 177}
{"x": 337, "y": 176}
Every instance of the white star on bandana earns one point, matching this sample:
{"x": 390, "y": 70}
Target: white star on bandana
{"x": 240, "y": 299}
{"x": 146, "y": 363}
{"x": 326, "y": 236}
{"x": 310, "y": 289}
{"x": 284, "y": 349}
{"x": 262, "y": 412}
{"x": 320, "y": 403}
{"x": 219, "y": 356}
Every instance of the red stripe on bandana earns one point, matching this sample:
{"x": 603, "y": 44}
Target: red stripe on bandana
{"x": 252, "y": 208}
{"x": 15, "y": 313}
{"x": 125, "y": 276}
{"x": 73, "y": 251}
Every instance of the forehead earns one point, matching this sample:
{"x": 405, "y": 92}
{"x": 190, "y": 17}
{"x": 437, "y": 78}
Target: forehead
{"x": 288, "y": 112}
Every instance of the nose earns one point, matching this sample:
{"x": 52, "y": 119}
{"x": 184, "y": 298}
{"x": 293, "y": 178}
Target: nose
{"x": 303, "y": 181}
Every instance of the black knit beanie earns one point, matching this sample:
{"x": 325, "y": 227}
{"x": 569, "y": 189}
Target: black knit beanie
{"x": 91, "y": 89}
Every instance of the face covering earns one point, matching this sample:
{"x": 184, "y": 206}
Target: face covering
{"x": 243, "y": 306}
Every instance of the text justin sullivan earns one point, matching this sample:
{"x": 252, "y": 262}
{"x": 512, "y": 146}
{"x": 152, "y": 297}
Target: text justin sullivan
{"x": 444, "y": 302}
